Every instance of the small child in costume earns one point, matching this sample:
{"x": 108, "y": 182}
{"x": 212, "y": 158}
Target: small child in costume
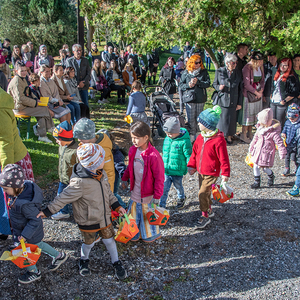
{"x": 289, "y": 134}
{"x": 84, "y": 131}
{"x": 25, "y": 201}
{"x": 146, "y": 173}
{"x": 63, "y": 134}
{"x": 209, "y": 156}
{"x": 177, "y": 150}
{"x": 262, "y": 148}
{"x": 91, "y": 197}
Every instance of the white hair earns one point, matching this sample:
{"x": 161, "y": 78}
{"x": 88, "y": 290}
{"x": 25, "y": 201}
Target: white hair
{"x": 76, "y": 46}
{"x": 230, "y": 57}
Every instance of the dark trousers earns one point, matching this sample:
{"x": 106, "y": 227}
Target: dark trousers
{"x": 120, "y": 90}
{"x": 279, "y": 113}
{"x": 85, "y": 111}
{"x": 291, "y": 155}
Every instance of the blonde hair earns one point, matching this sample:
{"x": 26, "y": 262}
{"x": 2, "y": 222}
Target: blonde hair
{"x": 129, "y": 65}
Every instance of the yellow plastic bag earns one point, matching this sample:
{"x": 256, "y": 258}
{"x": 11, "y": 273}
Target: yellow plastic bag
{"x": 249, "y": 160}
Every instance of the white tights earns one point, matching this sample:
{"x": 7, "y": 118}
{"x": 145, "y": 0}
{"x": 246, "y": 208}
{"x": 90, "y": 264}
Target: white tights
{"x": 256, "y": 170}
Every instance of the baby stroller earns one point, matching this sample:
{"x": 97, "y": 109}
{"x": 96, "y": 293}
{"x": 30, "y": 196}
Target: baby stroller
{"x": 162, "y": 108}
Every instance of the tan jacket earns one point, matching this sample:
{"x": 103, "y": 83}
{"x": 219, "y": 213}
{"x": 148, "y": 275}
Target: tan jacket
{"x": 62, "y": 93}
{"x": 91, "y": 200}
{"x": 49, "y": 89}
{"x": 16, "y": 89}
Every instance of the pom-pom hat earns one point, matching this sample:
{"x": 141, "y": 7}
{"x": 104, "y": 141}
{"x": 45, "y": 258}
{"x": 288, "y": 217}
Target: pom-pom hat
{"x": 293, "y": 111}
{"x": 210, "y": 117}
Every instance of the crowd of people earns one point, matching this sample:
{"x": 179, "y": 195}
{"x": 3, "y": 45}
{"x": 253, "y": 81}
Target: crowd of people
{"x": 91, "y": 165}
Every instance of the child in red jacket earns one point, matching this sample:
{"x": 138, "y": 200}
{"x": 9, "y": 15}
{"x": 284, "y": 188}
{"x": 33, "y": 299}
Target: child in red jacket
{"x": 209, "y": 156}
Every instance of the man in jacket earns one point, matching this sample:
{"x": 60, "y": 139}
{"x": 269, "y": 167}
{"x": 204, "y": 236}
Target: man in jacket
{"x": 153, "y": 61}
{"x": 82, "y": 72}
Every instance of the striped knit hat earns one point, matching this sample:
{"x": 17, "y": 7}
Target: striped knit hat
{"x": 90, "y": 156}
{"x": 63, "y": 132}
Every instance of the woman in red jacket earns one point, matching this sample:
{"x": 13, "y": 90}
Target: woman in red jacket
{"x": 208, "y": 158}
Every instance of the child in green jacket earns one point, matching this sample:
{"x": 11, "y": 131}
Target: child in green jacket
{"x": 177, "y": 150}
{"x": 63, "y": 134}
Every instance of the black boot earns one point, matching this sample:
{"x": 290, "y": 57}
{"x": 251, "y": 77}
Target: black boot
{"x": 123, "y": 101}
{"x": 120, "y": 100}
{"x": 149, "y": 80}
{"x": 271, "y": 179}
{"x": 154, "y": 79}
{"x": 256, "y": 183}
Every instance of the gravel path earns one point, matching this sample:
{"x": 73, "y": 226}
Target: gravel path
{"x": 249, "y": 251}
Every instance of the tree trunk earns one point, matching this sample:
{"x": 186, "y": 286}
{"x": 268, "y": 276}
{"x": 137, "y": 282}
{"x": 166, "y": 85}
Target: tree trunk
{"x": 212, "y": 56}
{"x": 90, "y": 32}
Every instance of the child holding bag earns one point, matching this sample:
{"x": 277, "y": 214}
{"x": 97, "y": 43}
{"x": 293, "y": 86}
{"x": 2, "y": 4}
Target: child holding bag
{"x": 25, "y": 202}
{"x": 262, "y": 147}
{"x": 146, "y": 173}
{"x": 209, "y": 156}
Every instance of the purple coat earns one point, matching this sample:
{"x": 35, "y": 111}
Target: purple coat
{"x": 262, "y": 147}
{"x": 248, "y": 80}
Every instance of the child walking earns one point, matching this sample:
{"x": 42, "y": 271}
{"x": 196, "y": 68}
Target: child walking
{"x": 91, "y": 197}
{"x": 262, "y": 147}
{"x": 177, "y": 150}
{"x": 24, "y": 205}
{"x": 146, "y": 173}
{"x": 63, "y": 134}
{"x": 289, "y": 134}
{"x": 208, "y": 158}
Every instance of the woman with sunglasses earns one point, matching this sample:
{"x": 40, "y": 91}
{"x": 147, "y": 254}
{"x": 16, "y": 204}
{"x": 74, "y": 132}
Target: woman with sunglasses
{"x": 194, "y": 82}
{"x": 228, "y": 84}
{"x": 285, "y": 89}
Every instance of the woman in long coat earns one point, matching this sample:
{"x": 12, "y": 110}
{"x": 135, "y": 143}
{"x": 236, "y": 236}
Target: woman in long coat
{"x": 228, "y": 84}
{"x": 167, "y": 75}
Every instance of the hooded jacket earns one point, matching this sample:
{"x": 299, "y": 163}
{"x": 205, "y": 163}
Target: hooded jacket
{"x": 91, "y": 200}
{"x": 210, "y": 156}
{"x": 176, "y": 154}
{"x": 24, "y": 211}
{"x": 12, "y": 148}
{"x": 262, "y": 147}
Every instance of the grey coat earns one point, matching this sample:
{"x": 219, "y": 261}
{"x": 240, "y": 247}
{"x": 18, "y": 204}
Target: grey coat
{"x": 232, "y": 93}
{"x": 24, "y": 211}
{"x": 82, "y": 73}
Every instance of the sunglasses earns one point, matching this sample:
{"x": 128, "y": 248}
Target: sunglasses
{"x": 197, "y": 62}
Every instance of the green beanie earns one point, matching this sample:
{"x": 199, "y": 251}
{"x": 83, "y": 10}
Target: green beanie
{"x": 210, "y": 117}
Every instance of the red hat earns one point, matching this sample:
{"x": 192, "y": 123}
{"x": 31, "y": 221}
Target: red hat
{"x": 63, "y": 132}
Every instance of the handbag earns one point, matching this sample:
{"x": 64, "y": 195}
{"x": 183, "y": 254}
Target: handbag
{"x": 188, "y": 96}
{"x": 215, "y": 97}
{"x": 252, "y": 97}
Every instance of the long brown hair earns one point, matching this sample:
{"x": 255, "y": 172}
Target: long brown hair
{"x": 98, "y": 70}
{"x": 141, "y": 129}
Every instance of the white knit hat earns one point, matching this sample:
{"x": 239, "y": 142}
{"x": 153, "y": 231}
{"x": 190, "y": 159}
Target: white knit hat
{"x": 90, "y": 156}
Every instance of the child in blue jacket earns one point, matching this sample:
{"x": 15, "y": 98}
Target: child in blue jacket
{"x": 25, "y": 202}
{"x": 289, "y": 134}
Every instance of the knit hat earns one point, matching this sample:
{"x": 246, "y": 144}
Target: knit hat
{"x": 84, "y": 129}
{"x": 2, "y": 59}
{"x": 210, "y": 117}
{"x": 180, "y": 65}
{"x": 63, "y": 132}
{"x": 293, "y": 111}
{"x": 265, "y": 117}
{"x": 12, "y": 176}
{"x": 172, "y": 125}
{"x": 90, "y": 156}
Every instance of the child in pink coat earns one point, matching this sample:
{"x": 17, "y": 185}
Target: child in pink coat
{"x": 262, "y": 147}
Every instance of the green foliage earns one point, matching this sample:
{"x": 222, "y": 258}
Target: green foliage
{"x": 50, "y": 22}
{"x": 151, "y": 23}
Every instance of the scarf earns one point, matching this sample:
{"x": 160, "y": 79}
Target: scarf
{"x": 209, "y": 134}
{"x": 59, "y": 81}
{"x": 195, "y": 72}
{"x": 97, "y": 175}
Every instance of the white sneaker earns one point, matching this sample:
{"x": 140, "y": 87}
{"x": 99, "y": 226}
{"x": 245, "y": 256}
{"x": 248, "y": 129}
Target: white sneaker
{"x": 59, "y": 216}
{"x": 44, "y": 139}
{"x": 35, "y": 130}
{"x": 105, "y": 101}
{"x": 100, "y": 102}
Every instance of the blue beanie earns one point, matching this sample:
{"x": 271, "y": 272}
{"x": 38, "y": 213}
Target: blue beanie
{"x": 63, "y": 131}
{"x": 293, "y": 111}
{"x": 210, "y": 117}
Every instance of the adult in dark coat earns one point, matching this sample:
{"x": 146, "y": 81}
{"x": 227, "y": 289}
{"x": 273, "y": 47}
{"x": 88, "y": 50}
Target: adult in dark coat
{"x": 228, "y": 84}
{"x": 153, "y": 61}
{"x": 168, "y": 75}
{"x": 82, "y": 72}
{"x": 268, "y": 68}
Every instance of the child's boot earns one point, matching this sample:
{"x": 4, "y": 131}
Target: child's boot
{"x": 149, "y": 80}
{"x": 271, "y": 179}
{"x": 256, "y": 183}
{"x": 294, "y": 192}
{"x": 84, "y": 267}
{"x": 286, "y": 172}
{"x": 120, "y": 271}
{"x": 180, "y": 203}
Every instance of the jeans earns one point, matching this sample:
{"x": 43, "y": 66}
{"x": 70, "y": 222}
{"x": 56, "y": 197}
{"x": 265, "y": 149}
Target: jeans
{"x": 84, "y": 95}
{"x": 46, "y": 248}
{"x": 177, "y": 181}
{"x": 279, "y": 112}
{"x": 75, "y": 111}
{"x": 116, "y": 187}
{"x": 61, "y": 187}
{"x": 207, "y": 62}
{"x": 297, "y": 182}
